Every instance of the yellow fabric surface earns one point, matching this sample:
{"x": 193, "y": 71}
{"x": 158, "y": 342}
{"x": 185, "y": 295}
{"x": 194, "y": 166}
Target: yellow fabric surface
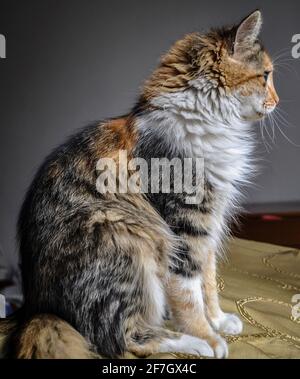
{"x": 258, "y": 281}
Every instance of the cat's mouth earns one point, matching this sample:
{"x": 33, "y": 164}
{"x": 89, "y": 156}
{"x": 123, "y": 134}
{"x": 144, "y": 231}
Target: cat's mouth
{"x": 267, "y": 110}
{"x": 261, "y": 115}
{"x": 255, "y": 117}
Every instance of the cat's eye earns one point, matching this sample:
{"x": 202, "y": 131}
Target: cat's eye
{"x": 266, "y": 75}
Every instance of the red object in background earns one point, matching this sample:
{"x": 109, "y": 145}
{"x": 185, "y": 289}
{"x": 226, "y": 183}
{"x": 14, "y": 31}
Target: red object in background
{"x": 278, "y": 224}
{"x": 267, "y": 217}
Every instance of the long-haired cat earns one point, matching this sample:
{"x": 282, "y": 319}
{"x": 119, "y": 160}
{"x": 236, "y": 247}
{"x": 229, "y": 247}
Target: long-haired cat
{"x": 100, "y": 269}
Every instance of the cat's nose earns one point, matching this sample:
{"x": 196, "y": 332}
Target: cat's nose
{"x": 272, "y": 101}
{"x": 270, "y": 106}
{"x": 272, "y": 96}
{"x": 276, "y": 98}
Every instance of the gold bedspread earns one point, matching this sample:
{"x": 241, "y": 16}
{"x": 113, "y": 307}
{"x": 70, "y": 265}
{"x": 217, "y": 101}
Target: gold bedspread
{"x": 258, "y": 282}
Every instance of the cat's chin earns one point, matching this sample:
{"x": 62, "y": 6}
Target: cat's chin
{"x": 262, "y": 114}
{"x": 256, "y": 117}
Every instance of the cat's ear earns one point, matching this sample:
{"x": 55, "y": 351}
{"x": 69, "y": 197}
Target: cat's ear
{"x": 247, "y": 33}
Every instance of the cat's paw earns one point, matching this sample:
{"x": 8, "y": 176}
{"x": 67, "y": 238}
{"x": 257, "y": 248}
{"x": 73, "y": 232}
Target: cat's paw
{"x": 215, "y": 346}
{"x": 219, "y": 346}
{"x": 190, "y": 345}
{"x": 228, "y": 323}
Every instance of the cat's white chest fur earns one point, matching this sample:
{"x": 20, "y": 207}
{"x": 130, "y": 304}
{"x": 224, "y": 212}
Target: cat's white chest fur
{"x": 223, "y": 149}
{"x": 202, "y": 125}
{"x": 197, "y": 124}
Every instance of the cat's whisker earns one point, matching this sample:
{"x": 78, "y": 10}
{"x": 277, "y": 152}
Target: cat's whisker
{"x": 281, "y": 51}
{"x": 281, "y": 117}
{"x": 284, "y": 55}
{"x": 281, "y": 110}
{"x": 265, "y": 142}
{"x": 288, "y": 67}
{"x": 267, "y": 129}
{"x": 272, "y": 127}
{"x": 269, "y": 134}
{"x": 280, "y": 73}
{"x": 286, "y": 51}
{"x": 284, "y": 65}
{"x": 278, "y": 120}
{"x": 287, "y": 59}
{"x": 282, "y": 132}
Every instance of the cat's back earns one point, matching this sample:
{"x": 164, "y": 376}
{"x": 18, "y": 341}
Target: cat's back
{"x": 66, "y": 180}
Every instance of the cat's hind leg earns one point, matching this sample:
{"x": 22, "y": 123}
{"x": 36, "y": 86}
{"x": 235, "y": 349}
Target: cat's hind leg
{"x": 126, "y": 313}
{"x": 109, "y": 281}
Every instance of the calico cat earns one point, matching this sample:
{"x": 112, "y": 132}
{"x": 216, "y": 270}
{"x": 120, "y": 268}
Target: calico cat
{"x": 99, "y": 269}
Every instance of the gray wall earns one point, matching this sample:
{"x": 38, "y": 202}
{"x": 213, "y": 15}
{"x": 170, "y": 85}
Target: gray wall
{"x": 71, "y": 62}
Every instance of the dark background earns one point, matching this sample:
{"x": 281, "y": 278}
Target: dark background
{"x": 71, "y": 62}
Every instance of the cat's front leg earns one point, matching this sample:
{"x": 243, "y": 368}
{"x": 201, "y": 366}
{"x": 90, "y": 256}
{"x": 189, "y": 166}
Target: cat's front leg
{"x": 226, "y": 323}
{"x": 188, "y": 310}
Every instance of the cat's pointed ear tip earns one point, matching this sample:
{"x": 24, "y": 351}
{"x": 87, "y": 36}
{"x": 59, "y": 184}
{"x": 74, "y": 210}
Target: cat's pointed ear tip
{"x": 254, "y": 18}
{"x": 256, "y": 14}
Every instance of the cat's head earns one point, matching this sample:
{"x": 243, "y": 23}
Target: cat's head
{"x": 230, "y": 62}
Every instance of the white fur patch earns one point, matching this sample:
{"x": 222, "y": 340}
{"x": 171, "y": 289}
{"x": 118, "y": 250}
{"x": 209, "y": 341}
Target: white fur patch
{"x": 228, "y": 323}
{"x": 191, "y": 286}
{"x": 204, "y": 122}
{"x": 221, "y": 349}
{"x": 188, "y": 345}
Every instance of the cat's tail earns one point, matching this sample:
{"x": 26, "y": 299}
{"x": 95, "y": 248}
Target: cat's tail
{"x": 44, "y": 336}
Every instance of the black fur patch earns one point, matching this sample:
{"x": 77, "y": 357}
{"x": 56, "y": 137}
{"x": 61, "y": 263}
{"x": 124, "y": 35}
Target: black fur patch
{"x": 181, "y": 226}
{"x": 183, "y": 264}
